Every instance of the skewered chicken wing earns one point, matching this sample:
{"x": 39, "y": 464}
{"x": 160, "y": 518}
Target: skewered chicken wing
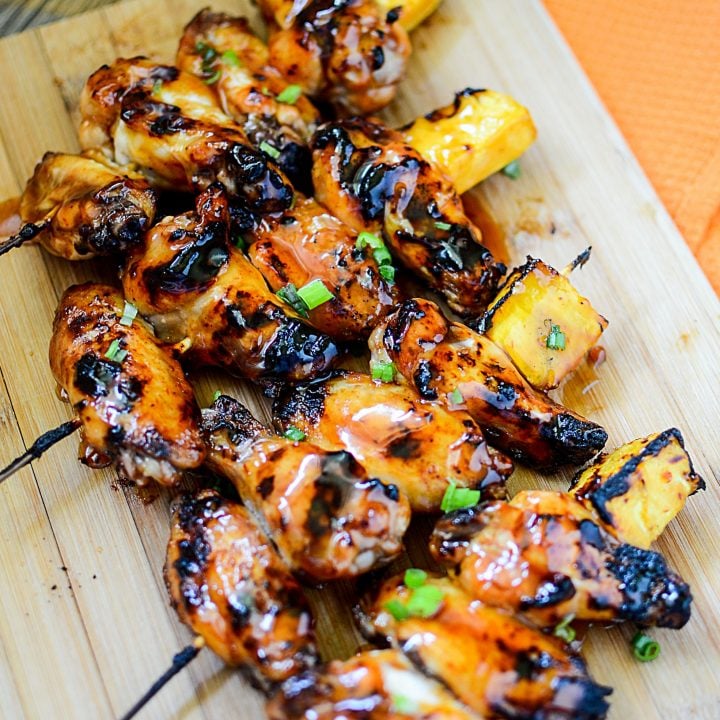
{"x": 366, "y": 175}
{"x": 449, "y": 362}
{"x": 136, "y": 407}
{"x": 376, "y": 685}
{"x": 495, "y": 664}
{"x": 348, "y": 53}
{"x": 543, "y": 554}
{"x": 418, "y": 446}
{"x": 191, "y": 283}
{"x": 327, "y": 518}
{"x": 228, "y": 584}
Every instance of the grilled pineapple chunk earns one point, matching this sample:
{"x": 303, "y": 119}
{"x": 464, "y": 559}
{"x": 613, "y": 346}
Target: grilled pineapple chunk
{"x": 412, "y": 12}
{"x": 480, "y": 133}
{"x": 640, "y": 487}
{"x": 542, "y": 323}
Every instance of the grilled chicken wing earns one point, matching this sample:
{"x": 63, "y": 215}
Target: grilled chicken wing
{"x": 376, "y": 685}
{"x": 191, "y": 283}
{"x": 136, "y": 407}
{"x": 226, "y": 54}
{"x": 495, "y": 664}
{"x": 545, "y": 555}
{"x": 448, "y": 362}
{"x": 170, "y": 125}
{"x": 347, "y": 53}
{"x": 328, "y": 519}
{"x": 366, "y": 175}
{"x": 228, "y": 584}
{"x": 418, "y": 446}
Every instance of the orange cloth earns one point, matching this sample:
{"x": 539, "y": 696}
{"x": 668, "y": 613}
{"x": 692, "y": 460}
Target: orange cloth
{"x": 656, "y": 66}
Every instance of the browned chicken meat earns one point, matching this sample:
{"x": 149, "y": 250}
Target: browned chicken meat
{"x": 366, "y": 175}
{"x": 348, "y": 53}
{"x": 229, "y": 585}
{"x": 190, "y": 282}
{"x": 419, "y": 446}
{"x": 169, "y": 124}
{"x": 543, "y": 554}
{"x": 494, "y": 663}
{"x": 136, "y": 407}
{"x": 325, "y": 515}
{"x": 77, "y": 207}
{"x": 448, "y": 362}
{"x": 375, "y": 685}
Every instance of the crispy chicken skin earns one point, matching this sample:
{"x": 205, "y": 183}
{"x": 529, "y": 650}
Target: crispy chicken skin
{"x": 448, "y": 362}
{"x": 345, "y": 52}
{"x": 544, "y": 554}
{"x": 366, "y": 175}
{"x": 374, "y": 685}
{"x": 169, "y": 124}
{"x": 225, "y": 53}
{"x": 494, "y": 663}
{"x": 326, "y": 516}
{"x": 139, "y": 412}
{"x": 229, "y": 585}
{"x": 190, "y": 282}
{"x": 307, "y": 243}
{"x": 418, "y": 446}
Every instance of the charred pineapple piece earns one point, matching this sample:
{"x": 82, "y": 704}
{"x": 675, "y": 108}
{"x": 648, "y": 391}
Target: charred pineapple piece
{"x": 488, "y": 130}
{"x": 542, "y": 322}
{"x": 640, "y": 487}
{"x": 411, "y": 12}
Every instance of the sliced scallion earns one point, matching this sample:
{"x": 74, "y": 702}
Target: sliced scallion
{"x": 644, "y": 647}
{"x": 383, "y": 371}
{"x": 314, "y": 294}
{"x": 270, "y": 150}
{"x": 512, "y": 170}
{"x": 456, "y": 498}
{"x": 289, "y": 295}
{"x": 290, "y": 95}
{"x": 230, "y": 57}
{"x": 129, "y": 314}
{"x": 116, "y": 353}
{"x": 294, "y": 434}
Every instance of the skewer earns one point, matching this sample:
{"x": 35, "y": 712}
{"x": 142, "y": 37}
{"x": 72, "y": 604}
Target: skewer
{"x": 27, "y": 233}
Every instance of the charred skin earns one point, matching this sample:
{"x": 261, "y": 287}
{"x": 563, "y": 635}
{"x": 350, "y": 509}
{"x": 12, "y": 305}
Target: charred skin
{"x": 494, "y": 663}
{"x": 307, "y": 243}
{"x": 327, "y": 518}
{"x": 456, "y": 366}
{"x": 229, "y": 585}
{"x": 366, "y": 175}
{"x": 170, "y": 125}
{"x": 139, "y": 413}
{"x": 91, "y": 207}
{"x": 544, "y": 555}
{"x": 418, "y": 446}
{"x": 248, "y": 90}
{"x": 347, "y": 53}
{"x": 376, "y": 685}
{"x": 191, "y": 283}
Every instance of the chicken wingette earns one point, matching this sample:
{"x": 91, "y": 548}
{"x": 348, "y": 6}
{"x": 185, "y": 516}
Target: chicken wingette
{"x": 450, "y": 363}
{"x": 493, "y": 662}
{"x": 327, "y": 518}
{"x": 366, "y": 175}
{"x": 190, "y": 282}
{"x": 229, "y": 585}
{"x": 544, "y": 555}
{"x": 135, "y": 406}
{"x": 419, "y": 446}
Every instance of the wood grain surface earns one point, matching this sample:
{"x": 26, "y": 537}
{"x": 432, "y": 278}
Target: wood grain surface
{"x": 85, "y": 624}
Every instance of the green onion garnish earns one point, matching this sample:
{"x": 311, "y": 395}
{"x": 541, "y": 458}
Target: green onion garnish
{"x": 556, "y": 338}
{"x": 403, "y": 704}
{"x": 229, "y": 57}
{"x": 383, "y": 371}
{"x": 382, "y": 256}
{"x": 289, "y": 295}
{"x": 266, "y": 91}
{"x": 564, "y": 630}
{"x": 425, "y": 601}
{"x": 295, "y": 434}
{"x": 157, "y": 86}
{"x": 290, "y": 95}
{"x": 216, "y": 395}
{"x": 213, "y": 78}
{"x": 366, "y": 239}
{"x": 314, "y": 294}
{"x": 129, "y": 314}
{"x": 415, "y": 578}
{"x": 456, "y": 498}
{"x": 268, "y": 149}
{"x": 397, "y": 609}
{"x": 644, "y": 647}
{"x": 115, "y": 352}
{"x": 443, "y": 226}
{"x": 240, "y": 242}
{"x": 456, "y": 397}
{"x": 387, "y": 273}
{"x": 512, "y": 170}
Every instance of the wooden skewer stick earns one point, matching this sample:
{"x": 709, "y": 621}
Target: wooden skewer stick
{"x": 43, "y": 443}
{"x": 27, "y": 232}
{"x": 579, "y": 261}
{"x": 179, "y": 661}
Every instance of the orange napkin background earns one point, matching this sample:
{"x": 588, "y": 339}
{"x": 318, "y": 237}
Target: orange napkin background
{"x": 656, "y": 66}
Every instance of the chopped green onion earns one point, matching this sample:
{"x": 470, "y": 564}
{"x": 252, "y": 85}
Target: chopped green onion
{"x": 216, "y": 395}
{"x": 403, "y": 704}
{"x": 265, "y": 91}
{"x": 456, "y": 397}
{"x": 443, "y": 226}
{"x": 295, "y": 434}
{"x": 290, "y": 95}
{"x": 415, "y": 578}
{"x": 383, "y": 371}
{"x": 129, "y": 314}
{"x": 425, "y": 601}
{"x": 397, "y": 609}
{"x": 512, "y": 170}
{"x": 564, "y": 630}
{"x": 387, "y": 272}
{"x": 268, "y": 149}
{"x": 382, "y": 256}
{"x": 314, "y": 294}
{"x": 644, "y": 647}
{"x": 456, "y": 498}
{"x": 289, "y": 295}
{"x": 366, "y": 239}
{"x": 213, "y": 78}
{"x": 115, "y": 352}
{"x": 556, "y": 338}
{"x": 229, "y": 57}
{"x": 157, "y": 86}
{"x": 240, "y": 242}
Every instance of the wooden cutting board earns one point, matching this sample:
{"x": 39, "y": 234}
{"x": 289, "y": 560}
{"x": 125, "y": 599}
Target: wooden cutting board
{"x": 85, "y": 624}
